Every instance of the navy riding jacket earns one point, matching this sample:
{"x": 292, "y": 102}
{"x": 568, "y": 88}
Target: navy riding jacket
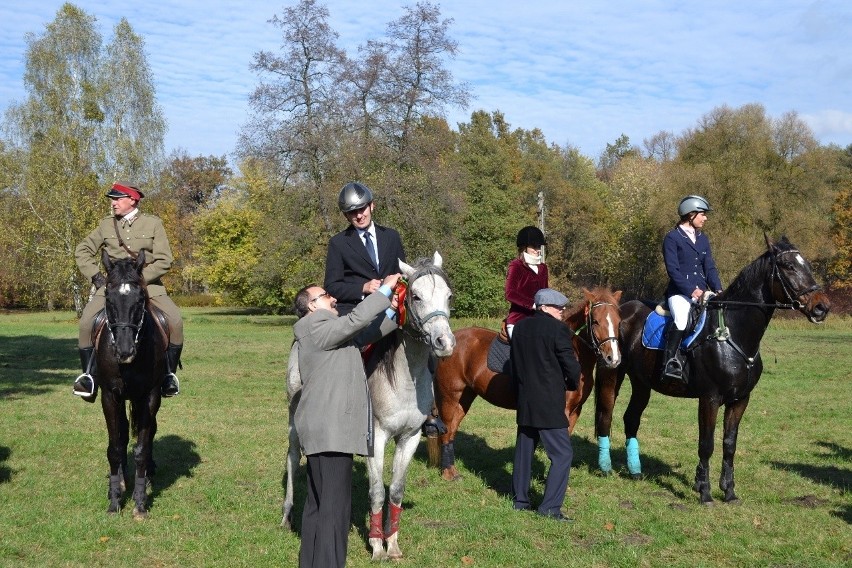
{"x": 689, "y": 265}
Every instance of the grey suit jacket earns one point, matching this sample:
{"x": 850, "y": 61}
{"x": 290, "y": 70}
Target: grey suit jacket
{"x": 333, "y": 412}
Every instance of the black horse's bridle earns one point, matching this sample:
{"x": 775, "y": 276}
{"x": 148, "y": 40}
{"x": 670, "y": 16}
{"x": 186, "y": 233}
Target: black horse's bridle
{"x": 593, "y": 343}
{"x": 791, "y": 294}
{"x": 136, "y": 327}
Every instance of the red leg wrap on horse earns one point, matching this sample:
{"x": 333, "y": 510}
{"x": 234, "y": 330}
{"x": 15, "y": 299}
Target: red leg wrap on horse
{"x": 376, "y": 525}
{"x": 395, "y": 514}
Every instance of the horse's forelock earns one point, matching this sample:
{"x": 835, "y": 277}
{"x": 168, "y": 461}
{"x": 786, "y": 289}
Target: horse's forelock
{"x": 424, "y": 267}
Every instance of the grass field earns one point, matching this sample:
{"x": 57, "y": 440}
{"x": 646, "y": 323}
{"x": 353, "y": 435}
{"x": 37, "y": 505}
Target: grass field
{"x": 217, "y": 494}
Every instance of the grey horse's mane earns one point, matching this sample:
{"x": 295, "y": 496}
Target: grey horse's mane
{"x": 385, "y": 349}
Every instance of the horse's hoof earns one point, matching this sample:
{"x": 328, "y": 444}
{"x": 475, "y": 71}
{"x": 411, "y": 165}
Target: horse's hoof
{"x": 636, "y": 476}
{"x": 450, "y": 474}
{"x": 139, "y": 515}
{"x": 733, "y": 500}
{"x": 709, "y": 503}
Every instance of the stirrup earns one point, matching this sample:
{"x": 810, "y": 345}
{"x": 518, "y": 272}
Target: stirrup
{"x": 673, "y": 369}
{"x": 90, "y": 392}
{"x": 175, "y": 382}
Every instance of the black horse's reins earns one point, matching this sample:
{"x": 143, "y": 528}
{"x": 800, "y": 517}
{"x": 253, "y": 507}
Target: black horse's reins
{"x": 722, "y": 333}
{"x": 792, "y": 303}
{"x": 593, "y": 343}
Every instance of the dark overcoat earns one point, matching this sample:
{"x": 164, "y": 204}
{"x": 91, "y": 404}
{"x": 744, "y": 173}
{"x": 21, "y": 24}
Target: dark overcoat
{"x": 544, "y": 366}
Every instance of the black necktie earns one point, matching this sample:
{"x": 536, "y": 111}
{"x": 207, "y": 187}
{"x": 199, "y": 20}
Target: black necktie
{"x": 371, "y": 250}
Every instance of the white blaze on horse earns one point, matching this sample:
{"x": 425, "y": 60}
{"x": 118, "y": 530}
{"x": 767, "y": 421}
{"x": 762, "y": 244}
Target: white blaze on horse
{"x": 400, "y": 384}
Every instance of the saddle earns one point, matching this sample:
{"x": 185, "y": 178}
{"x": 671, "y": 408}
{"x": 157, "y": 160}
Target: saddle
{"x": 654, "y": 330}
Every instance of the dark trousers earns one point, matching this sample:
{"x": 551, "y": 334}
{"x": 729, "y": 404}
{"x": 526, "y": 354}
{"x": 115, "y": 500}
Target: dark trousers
{"x": 327, "y": 512}
{"x": 557, "y": 444}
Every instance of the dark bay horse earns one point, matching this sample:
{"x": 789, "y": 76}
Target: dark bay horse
{"x": 131, "y": 365}
{"x": 400, "y": 387}
{"x": 459, "y": 379}
{"x": 723, "y": 362}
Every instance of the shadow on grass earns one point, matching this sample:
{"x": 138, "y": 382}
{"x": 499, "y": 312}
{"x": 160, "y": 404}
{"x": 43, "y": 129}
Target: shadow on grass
{"x": 175, "y": 458}
{"x": 494, "y": 465}
{"x": 5, "y": 471}
{"x": 30, "y": 364}
{"x": 829, "y": 475}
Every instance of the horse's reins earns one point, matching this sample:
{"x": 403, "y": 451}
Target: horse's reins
{"x": 723, "y": 334}
{"x": 593, "y": 343}
{"x": 792, "y": 303}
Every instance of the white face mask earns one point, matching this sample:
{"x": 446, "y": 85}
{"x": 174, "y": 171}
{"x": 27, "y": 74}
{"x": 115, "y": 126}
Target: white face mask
{"x": 532, "y": 259}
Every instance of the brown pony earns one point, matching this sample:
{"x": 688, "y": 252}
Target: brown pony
{"x": 460, "y": 378}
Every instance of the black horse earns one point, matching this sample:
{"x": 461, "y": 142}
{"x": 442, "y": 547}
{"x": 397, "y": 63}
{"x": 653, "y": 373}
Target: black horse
{"x": 131, "y": 365}
{"x": 723, "y": 362}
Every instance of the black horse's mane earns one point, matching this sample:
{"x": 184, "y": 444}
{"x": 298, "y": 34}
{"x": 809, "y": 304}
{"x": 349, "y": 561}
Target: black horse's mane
{"x": 753, "y": 276}
{"x": 385, "y": 348}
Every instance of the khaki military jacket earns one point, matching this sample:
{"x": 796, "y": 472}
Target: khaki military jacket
{"x": 145, "y": 232}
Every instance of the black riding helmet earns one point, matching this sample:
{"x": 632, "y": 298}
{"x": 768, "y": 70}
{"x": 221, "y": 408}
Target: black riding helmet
{"x": 530, "y": 236}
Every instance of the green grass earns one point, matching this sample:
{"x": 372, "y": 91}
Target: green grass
{"x": 217, "y": 494}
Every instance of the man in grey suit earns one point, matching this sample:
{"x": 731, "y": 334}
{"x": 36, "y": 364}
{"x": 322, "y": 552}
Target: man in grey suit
{"x": 332, "y": 417}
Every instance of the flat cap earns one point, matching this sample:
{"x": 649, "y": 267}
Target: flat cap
{"x": 550, "y": 297}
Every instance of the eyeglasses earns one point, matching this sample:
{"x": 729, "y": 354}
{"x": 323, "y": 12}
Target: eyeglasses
{"x": 323, "y": 295}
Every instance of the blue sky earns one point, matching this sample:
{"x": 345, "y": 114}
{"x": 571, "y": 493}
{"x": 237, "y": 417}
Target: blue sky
{"x": 584, "y": 72}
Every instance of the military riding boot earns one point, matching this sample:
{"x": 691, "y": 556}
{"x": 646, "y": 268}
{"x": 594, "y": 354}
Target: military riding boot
{"x": 673, "y": 369}
{"x": 171, "y": 385}
{"x": 84, "y": 385}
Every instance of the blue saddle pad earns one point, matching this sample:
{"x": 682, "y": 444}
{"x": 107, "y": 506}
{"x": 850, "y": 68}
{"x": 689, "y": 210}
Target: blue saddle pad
{"x": 654, "y": 331}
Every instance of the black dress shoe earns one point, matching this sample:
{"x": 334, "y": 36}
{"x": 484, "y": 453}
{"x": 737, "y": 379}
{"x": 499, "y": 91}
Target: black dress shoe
{"x": 557, "y": 517}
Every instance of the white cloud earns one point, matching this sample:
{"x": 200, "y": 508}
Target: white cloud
{"x": 582, "y": 72}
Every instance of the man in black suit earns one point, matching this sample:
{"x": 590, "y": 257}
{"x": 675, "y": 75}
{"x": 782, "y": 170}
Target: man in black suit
{"x": 360, "y": 256}
{"x": 544, "y": 366}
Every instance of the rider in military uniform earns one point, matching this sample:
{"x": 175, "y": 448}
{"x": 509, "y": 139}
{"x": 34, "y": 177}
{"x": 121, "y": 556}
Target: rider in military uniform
{"x": 127, "y": 231}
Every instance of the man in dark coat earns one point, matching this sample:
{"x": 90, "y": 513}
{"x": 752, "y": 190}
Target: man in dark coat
{"x": 362, "y": 254}
{"x": 544, "y": 366}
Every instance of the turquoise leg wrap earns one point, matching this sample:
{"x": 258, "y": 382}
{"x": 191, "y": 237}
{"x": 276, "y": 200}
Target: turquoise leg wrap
{"x": 633, "y": 463}
{"x": 604, "y": 460}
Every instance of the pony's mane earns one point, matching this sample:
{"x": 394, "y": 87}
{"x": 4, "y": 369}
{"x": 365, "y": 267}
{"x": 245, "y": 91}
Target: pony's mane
{"x": 753, "y": 276}
{"x": 385, "y": 348}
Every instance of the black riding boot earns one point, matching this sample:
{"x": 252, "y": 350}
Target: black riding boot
{"x": 171, "y": 385}
{"x": 84, "y": 385}
{"x": 673, "y": 369}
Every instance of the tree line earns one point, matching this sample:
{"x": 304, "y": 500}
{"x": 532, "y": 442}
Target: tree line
{"x": 321, "y": 117}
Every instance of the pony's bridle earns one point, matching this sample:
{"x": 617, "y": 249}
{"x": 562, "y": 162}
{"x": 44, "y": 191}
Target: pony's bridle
{"x": 593, "y": 343}
{"x": 418, "y": 323}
